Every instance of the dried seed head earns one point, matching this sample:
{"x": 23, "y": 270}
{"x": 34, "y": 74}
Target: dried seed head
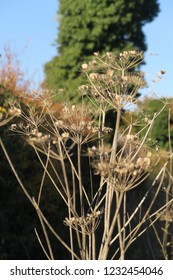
{"x": 131, "y": 167}
{"x": 103, "y": 168}
{"x": 34, "y": 131}
{"x": 107, "y": 130}
{"x": 88, "y": 223}
{"x": 143, "y": 163}
{"x": 147, "y": 162}
{"x": 133, "y": 52}
{"x": 82, "y": 125}
{"x": 83, "y": 87}
{"x": 139, "y": 162}
{"x": 38, "y": 140}
{"x": 39, "y": 134}
{"x": 13, "y": 126}
{"x": 84, "y": 66}
{"x": 73, "y": 107}
{"x": 65, "y": 135}
{"x": 94, "y": 129}
{"x": 14, "y": 111}
{"x": 93, "y": 76}
{"x": 109, "y": 54}
{"x": 59, "y": 122}
{"x": 135, "y": 172}
{"x": 94, "y": 62}
{"x": 131, "y": 137}
{"x": 83, "y": 90}
{"x": 92, "y": 151}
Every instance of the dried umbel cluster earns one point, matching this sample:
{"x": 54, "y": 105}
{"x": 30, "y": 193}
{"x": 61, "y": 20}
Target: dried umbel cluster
{"x": 77, "y": 123}
{"x": 126, "y": 171}
{"x": 110, "y": 79}
{"x": 47, "y": 127}
{"x": 37, "y": 137}
{"x": 7, "y": 114}
{"x": 32, "y": 133}
{"x": 87, "y": 224}
{"x": 168, "y": 215}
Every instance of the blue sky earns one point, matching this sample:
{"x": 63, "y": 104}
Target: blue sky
{"x": 159, "y": 38}
{"x": 30, "y": 28}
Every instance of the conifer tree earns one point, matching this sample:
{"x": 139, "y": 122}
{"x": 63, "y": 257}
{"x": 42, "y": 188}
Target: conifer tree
{"x": 89, "y": 26}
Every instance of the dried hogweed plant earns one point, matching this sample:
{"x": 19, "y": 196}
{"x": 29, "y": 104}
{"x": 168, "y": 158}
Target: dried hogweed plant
{"x": 99, "y": 219}
{"x": 6, "y": 115}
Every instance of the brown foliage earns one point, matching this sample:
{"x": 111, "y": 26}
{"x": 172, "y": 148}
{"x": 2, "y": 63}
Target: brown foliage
{"x": 11, "y": 76}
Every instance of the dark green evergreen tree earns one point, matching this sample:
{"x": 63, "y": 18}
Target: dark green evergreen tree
{"x": 89, "y": 26}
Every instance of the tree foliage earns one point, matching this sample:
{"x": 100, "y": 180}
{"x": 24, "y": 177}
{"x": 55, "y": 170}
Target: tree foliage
{"x": 89, "y": 26}
{"x": 163, "y": 126}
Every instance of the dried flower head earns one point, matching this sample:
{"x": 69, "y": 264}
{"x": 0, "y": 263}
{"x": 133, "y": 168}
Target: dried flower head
{"x": 14, "y": 111}
{"x": 78, "y": 123}
{"x": 126, "y": 172}
{"x": 89, "y": 223}
{"x": 110, "y": 79}
{"x": 84, "y": 66}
